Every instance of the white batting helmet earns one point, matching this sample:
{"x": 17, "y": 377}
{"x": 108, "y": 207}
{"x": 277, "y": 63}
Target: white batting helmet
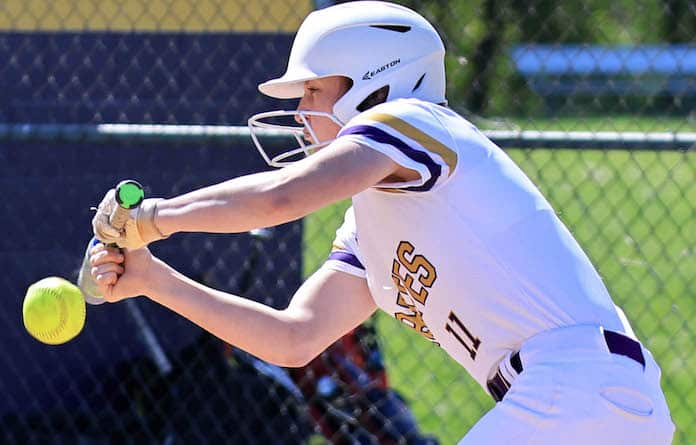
{"x": 373, "y": 43}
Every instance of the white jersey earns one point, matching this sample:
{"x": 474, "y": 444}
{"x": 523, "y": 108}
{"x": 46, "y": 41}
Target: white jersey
{"x": 471, "y": 255}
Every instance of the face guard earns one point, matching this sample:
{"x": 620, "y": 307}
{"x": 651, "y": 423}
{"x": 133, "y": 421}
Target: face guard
{"x": 276, "y": 123}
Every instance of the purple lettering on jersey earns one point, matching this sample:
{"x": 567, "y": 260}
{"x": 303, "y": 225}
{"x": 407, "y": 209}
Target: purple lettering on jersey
{"x": 383, "y": 137}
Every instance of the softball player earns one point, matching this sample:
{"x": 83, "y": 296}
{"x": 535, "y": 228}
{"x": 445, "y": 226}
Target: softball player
{"x": 445, "y": 233}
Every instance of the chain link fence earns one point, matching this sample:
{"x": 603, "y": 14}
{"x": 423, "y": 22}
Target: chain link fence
{"x": 597, "y": 95}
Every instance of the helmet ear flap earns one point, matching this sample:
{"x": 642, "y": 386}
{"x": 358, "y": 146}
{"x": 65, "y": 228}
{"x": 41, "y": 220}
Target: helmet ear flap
{"x": 380, "y": 95}
{"x": 375, "y": 98}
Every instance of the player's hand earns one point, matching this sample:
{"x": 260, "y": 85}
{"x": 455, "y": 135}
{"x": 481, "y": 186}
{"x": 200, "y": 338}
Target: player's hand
{"x": 120, "y": 274}
{"x": 140, "y": 229}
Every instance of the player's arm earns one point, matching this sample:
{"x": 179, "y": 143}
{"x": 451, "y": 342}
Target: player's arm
{"x": 340, "y": 170}
{"x": 329, "y": 304}
{"x": 270, "y": 198}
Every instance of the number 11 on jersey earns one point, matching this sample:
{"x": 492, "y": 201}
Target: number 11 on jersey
{"x": 455, "y": 327}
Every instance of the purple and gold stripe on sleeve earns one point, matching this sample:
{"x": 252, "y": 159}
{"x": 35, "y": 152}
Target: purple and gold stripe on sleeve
{"x": 415, "y": 143}
{"x": 383, "y": 137}
{"x": 345, "y": 257}
{"x": 448, "y": 155}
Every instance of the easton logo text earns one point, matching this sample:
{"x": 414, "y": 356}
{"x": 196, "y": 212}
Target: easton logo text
{"x": 370, "y": 74}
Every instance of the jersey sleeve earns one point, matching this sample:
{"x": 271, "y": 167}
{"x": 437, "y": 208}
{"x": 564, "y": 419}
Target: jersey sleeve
{"x": 412, "y": 136}
{"x": 344, "y": 254}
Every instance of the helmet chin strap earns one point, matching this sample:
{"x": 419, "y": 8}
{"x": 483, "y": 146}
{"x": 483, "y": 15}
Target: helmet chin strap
{"x": 259, "y": 126}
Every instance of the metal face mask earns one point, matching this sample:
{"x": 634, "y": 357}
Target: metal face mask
{"x": 275, "y": 124}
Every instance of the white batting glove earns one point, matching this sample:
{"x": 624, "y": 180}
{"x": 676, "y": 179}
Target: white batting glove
{"x": 139, "y": 230}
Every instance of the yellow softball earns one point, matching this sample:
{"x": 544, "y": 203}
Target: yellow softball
{"x": 53, "y": 310}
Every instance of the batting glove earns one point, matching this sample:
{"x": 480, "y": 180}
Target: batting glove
{"x": 139, "y": 230}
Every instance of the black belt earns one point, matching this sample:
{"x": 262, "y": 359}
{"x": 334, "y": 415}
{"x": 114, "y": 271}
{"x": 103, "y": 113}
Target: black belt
{"x": 617, "y": 343}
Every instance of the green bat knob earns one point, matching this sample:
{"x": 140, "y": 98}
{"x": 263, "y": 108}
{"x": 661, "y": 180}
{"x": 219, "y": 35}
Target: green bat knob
{"x": 129, "y": 194}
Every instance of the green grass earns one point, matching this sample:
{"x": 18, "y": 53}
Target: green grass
{"x": 634, "y": 214}
{"x": 616, "y": 123}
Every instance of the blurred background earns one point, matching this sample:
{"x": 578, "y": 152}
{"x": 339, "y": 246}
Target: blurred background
{"x": 594, "y": 99}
